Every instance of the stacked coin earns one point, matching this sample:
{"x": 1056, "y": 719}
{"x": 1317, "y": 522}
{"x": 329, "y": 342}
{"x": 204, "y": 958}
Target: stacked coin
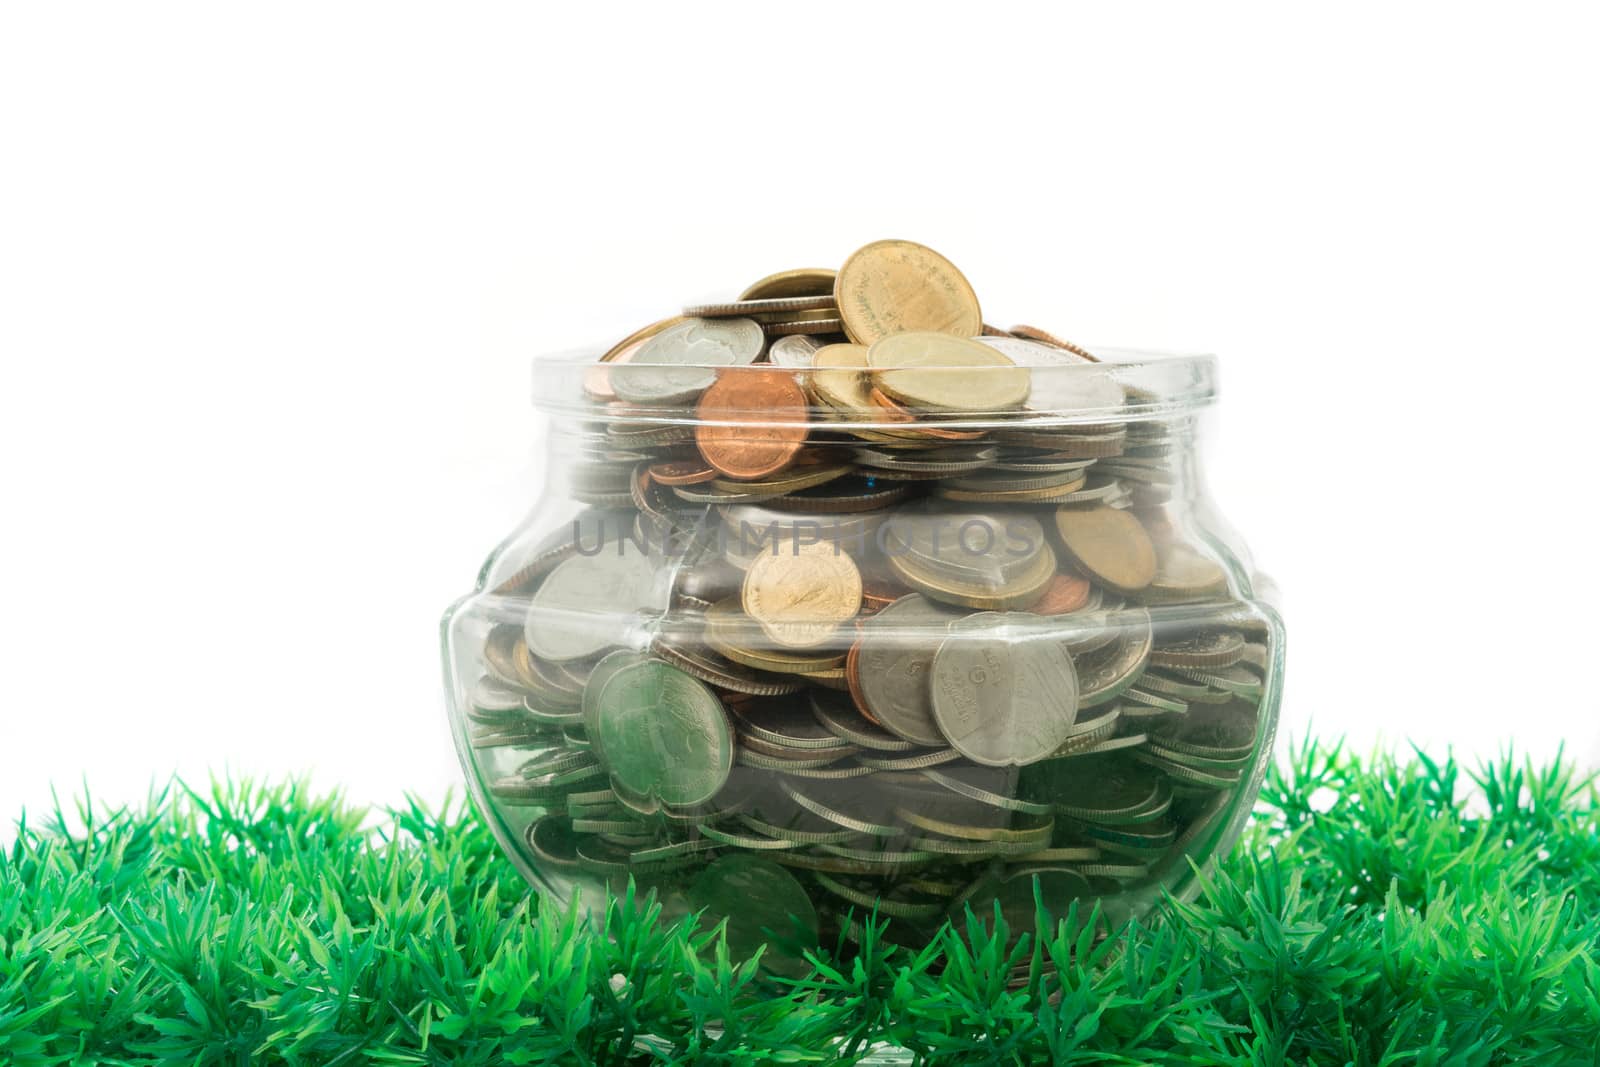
{"x": 872, "y": 605}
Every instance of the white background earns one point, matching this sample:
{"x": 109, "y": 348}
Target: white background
{"x": 271, "y": 277}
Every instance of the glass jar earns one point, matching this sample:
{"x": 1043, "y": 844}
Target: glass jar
{"x": 874, "y": 656}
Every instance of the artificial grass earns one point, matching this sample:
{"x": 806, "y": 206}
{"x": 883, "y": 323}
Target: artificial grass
{"x": 1379, "y": 911}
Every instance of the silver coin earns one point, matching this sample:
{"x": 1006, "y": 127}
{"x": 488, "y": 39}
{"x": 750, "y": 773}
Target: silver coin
{"x": 789, "y": 724}
{"x": 938, "y": 463}
{"x": 1061, "y": 392}
{"x": 590, "y": 603}
{"x": 796, "y": 351}
{"x": 838, "y": 715}
{"x": 897, "y": 647}
{"x": 973, "y": 547}
{"x": 1005, "y": 691}
{"x": 1110, "y": 672}
{"x": 1107, "y": 491}
{"x": 680, "y": 362}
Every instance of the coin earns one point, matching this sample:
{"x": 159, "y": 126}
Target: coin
{"x": 1105, "y": 674}
{"x": 740, "y": 309}
{"x": 1033, "y": 333}
{"x": 805, "y": 327}
{"x": 993, "y": 549}
{"x": 681, "y": 472}
{"x": 896, "y": 652}
{"x": 985, "y": 785}
{"x": 839, "y": 717}
{"x": 800, "y": 597}
{"x": 597, "y": 379}
{"x": 718, "y": 671}
{"x": 1115, "y": 791}
{"x": 679, "y": 362}
{"x": 663, "y": 735}
{"x": 751, "y": 423}
{"x": 890, "y": 287}
{"x": 1066, "y": 593}
{"x": 794, "y": 351}
{"x": 939, "y": 372}
{"x": 1208, "y": 648}
{"x": 838, "y": 380}
{"x": 576, "y": 612}
{"x": 1110, "y": 546}
{"x": 762, "y": 906}
{"x": 805, "y": 281}
{"x": 551, "y": 838}
{"x": 1005, "y": 692}
{"x": 1006, "y": 595}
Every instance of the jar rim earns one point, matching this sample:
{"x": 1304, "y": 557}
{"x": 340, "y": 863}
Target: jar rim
{"x": 1153, "y": 385}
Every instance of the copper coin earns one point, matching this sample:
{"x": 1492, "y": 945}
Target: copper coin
{"x": 1033, "y": 333}
{"x": 878, "y": 593}
{"x": 681, "y": 472}
{"x": 852, "y": 676}
{"x": 751, "y": 422}
{"x": 1066, "y": 592}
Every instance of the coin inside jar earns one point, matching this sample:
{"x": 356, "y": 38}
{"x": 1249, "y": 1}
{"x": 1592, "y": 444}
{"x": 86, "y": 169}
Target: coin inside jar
{"x": 1109, "y": 544}
{"x": 1005, "y": 692}
{"x": 751, "y": 422}
{"x": 801, "y": 593}
{"x": 941, "y": 372}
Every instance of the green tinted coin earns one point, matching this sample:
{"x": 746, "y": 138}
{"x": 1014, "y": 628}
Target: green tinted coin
{"x": 762, "y": 904}
{"x": 663, "y": 735}
{"x": 1187, "y": 775}
{"x": 608, "y": 666}
{"x": 1112, "y": 789}
{"x": 1218, "y": 731}
{"x": 867, "y": 899}
{"x": 1237, "y": 680}
{"x": 551, "y": 838}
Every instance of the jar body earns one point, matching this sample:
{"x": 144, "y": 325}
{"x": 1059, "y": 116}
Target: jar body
{"x": 652, "y": 681}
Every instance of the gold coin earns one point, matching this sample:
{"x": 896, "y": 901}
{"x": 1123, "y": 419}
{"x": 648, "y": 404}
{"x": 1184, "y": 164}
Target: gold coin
{"x": 891, "y": 287}
{"x": 838, "y": 380}
{"x": 946, "y": 373}
{"x": 804, "y": 281}
{"x": 734, "y": 634}
{"x": 800, "y": 596}
{"x": 803, "y": 327}
{"x": 1111, "y": 545}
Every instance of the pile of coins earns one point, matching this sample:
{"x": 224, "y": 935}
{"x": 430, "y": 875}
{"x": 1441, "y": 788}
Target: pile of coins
{"x": 870, "y": 606}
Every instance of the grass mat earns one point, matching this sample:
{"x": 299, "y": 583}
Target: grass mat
{"x": 1380, "y": 910}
